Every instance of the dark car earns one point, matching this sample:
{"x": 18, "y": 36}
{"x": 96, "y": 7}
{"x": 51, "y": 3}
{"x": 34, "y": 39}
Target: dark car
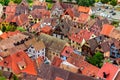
{"x": 106, "y": 7}
{"x": 114, "y": 13}
{"x": 111, "y": 11}
{"x": 98, "y": 9}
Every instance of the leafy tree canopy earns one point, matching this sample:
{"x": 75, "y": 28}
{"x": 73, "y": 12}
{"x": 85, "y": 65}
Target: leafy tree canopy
{"x": 96, "y": 60}
{"x": 85, "y": 2}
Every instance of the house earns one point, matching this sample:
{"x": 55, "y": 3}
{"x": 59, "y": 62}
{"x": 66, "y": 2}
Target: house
{"x": 79, "y": 39}
{"x": 10, "y": 10}
{"x": 118, "y": 1}
{"x": 114, "y": 52}
{"x": 107, "y": 29}
{"x": 85, "y": 68}
{"x": 8, "y": 34}
{"x": 46, "y": 30}
{"x": 57, "y": 10}
{"x": 35, "y": 28}
{"x": 39, "y": 4}
{"x": 54, "y": 46}
{"x": 83, "y": 9}
{"x": 1, "y": 10}
{"x": 69, "y": 67}
{"x": 67, "y": 51}
{"x": 83, "y": 18}
{"x": 49, "y": 72}
{"x": 35, "y": 48}
{"x": 115, "y": 34}
{"x": 22, "y": 20}
{"x": 22, "y": 8}
{"x": 61, "y": 30}
{"x": 108, "y": 72}
{"x": 12, "y": 42}
{"x": 37, "y": 14}
{"x": 17, "y": 63}
{"x": 56, "y": 61}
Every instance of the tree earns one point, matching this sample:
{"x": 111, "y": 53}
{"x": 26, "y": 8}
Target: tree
{"x": 17, "y": 1}
{"x": 113, "y": 2}
{"x": 105, "y": 1}
{"x": 20, "y": 29}
{"x": 96, "y": 60}
{"x": 4, "y": 2}
{"x": 85, "y": 2}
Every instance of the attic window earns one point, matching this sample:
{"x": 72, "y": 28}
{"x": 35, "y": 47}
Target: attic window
{"x": 67, "y": 52}
{"x": 81, "y": 68}
{"x": 6, "y": 63}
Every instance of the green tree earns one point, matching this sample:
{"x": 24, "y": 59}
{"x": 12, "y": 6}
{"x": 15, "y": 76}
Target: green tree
{"x": 105, "y": 1}
{"x": 20, "y": 29}
{"x": 4, "y": 2}
{"x": 96, "y": 60}
{"x": 3, "y": 29}
{"x": 17, "y": 1}
{"x": 85, "y": 2}
{"x": 15, "y": 77}
{"x": 113, "y": 2}
{"x": 115, "y": 23}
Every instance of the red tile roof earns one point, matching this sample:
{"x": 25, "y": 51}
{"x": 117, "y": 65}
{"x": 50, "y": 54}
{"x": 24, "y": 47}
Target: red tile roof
{"x": 83, "y": 9}
{"x": 8, "y": 34}
{"x": 56, "y": 61}
{"x": 85, "y": 67}
{"x": 67, "y": 51}
{"x": 83, "y": 34}
{"x": 109, "y": 69}
{"x": 46, "y": 29}
{"x": 10, "y": 10}
{"x": 106, "y": 30}
{"x": 36, "y": 27}
{"x": 69, "y": 12}
{"x": 83, "y": 18}
{"x": 13, "y": 61}
{"x": 21, "y": 19}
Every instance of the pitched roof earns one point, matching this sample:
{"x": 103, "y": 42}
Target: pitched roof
{"x": 109, "y": 69}
{"x": 83, "y": 34}
{"x": 83, "y": 9}
{"x": 52, "y": 43}
{"x": 46, "y": 29}
{"x": 85, "y": 67}
{"x": 38, "y": 45}
{"x": 106, "y": 30}
{"x": 8, "y": 34}
{"x": 35, "y": 27}
{"x": 51, "y": 73}
{"x": 115, "y": 34}
{"x": 22, "y": 19}
{"x": 67, "y": 51}
{"x": 83, "y": 18}
{"x": 13, "y": 60}
{"x": 56, "y": 61}
{"x": 10, "y": 10}
{"x": 40, "y": 13}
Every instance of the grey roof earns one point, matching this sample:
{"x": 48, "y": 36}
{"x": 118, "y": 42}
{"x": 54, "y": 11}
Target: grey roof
{"x": 52, "y": 43}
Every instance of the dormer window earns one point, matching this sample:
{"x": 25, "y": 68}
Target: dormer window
{"x": 105, "y": 75}
{"x": 67, "y": 52}
{"x": 21, "y": 65}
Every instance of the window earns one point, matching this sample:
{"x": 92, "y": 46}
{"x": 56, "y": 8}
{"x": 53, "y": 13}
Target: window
{"x": 67, "y": 52}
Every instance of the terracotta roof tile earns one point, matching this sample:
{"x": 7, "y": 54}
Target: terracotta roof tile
{"x": 83, "y": 34}
{"x": 109, "y": 69}
{"x": 83, "y": 9}
{"x": 106, "y": 30}
{"x": 83, "y": 18}
{"x": 56, "y": 61}
{"x": 67, "y": 51}
{"x": 46, "y": 29}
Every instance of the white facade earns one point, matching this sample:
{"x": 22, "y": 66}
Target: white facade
{"x": 35, "y": 54}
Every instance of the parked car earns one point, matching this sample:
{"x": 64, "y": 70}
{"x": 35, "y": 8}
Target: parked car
{"x": 106, "y": 7}
{"x": 98, "y": 9}
{"x": 111, "y": 11}
{"x": 114, "y": 13}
